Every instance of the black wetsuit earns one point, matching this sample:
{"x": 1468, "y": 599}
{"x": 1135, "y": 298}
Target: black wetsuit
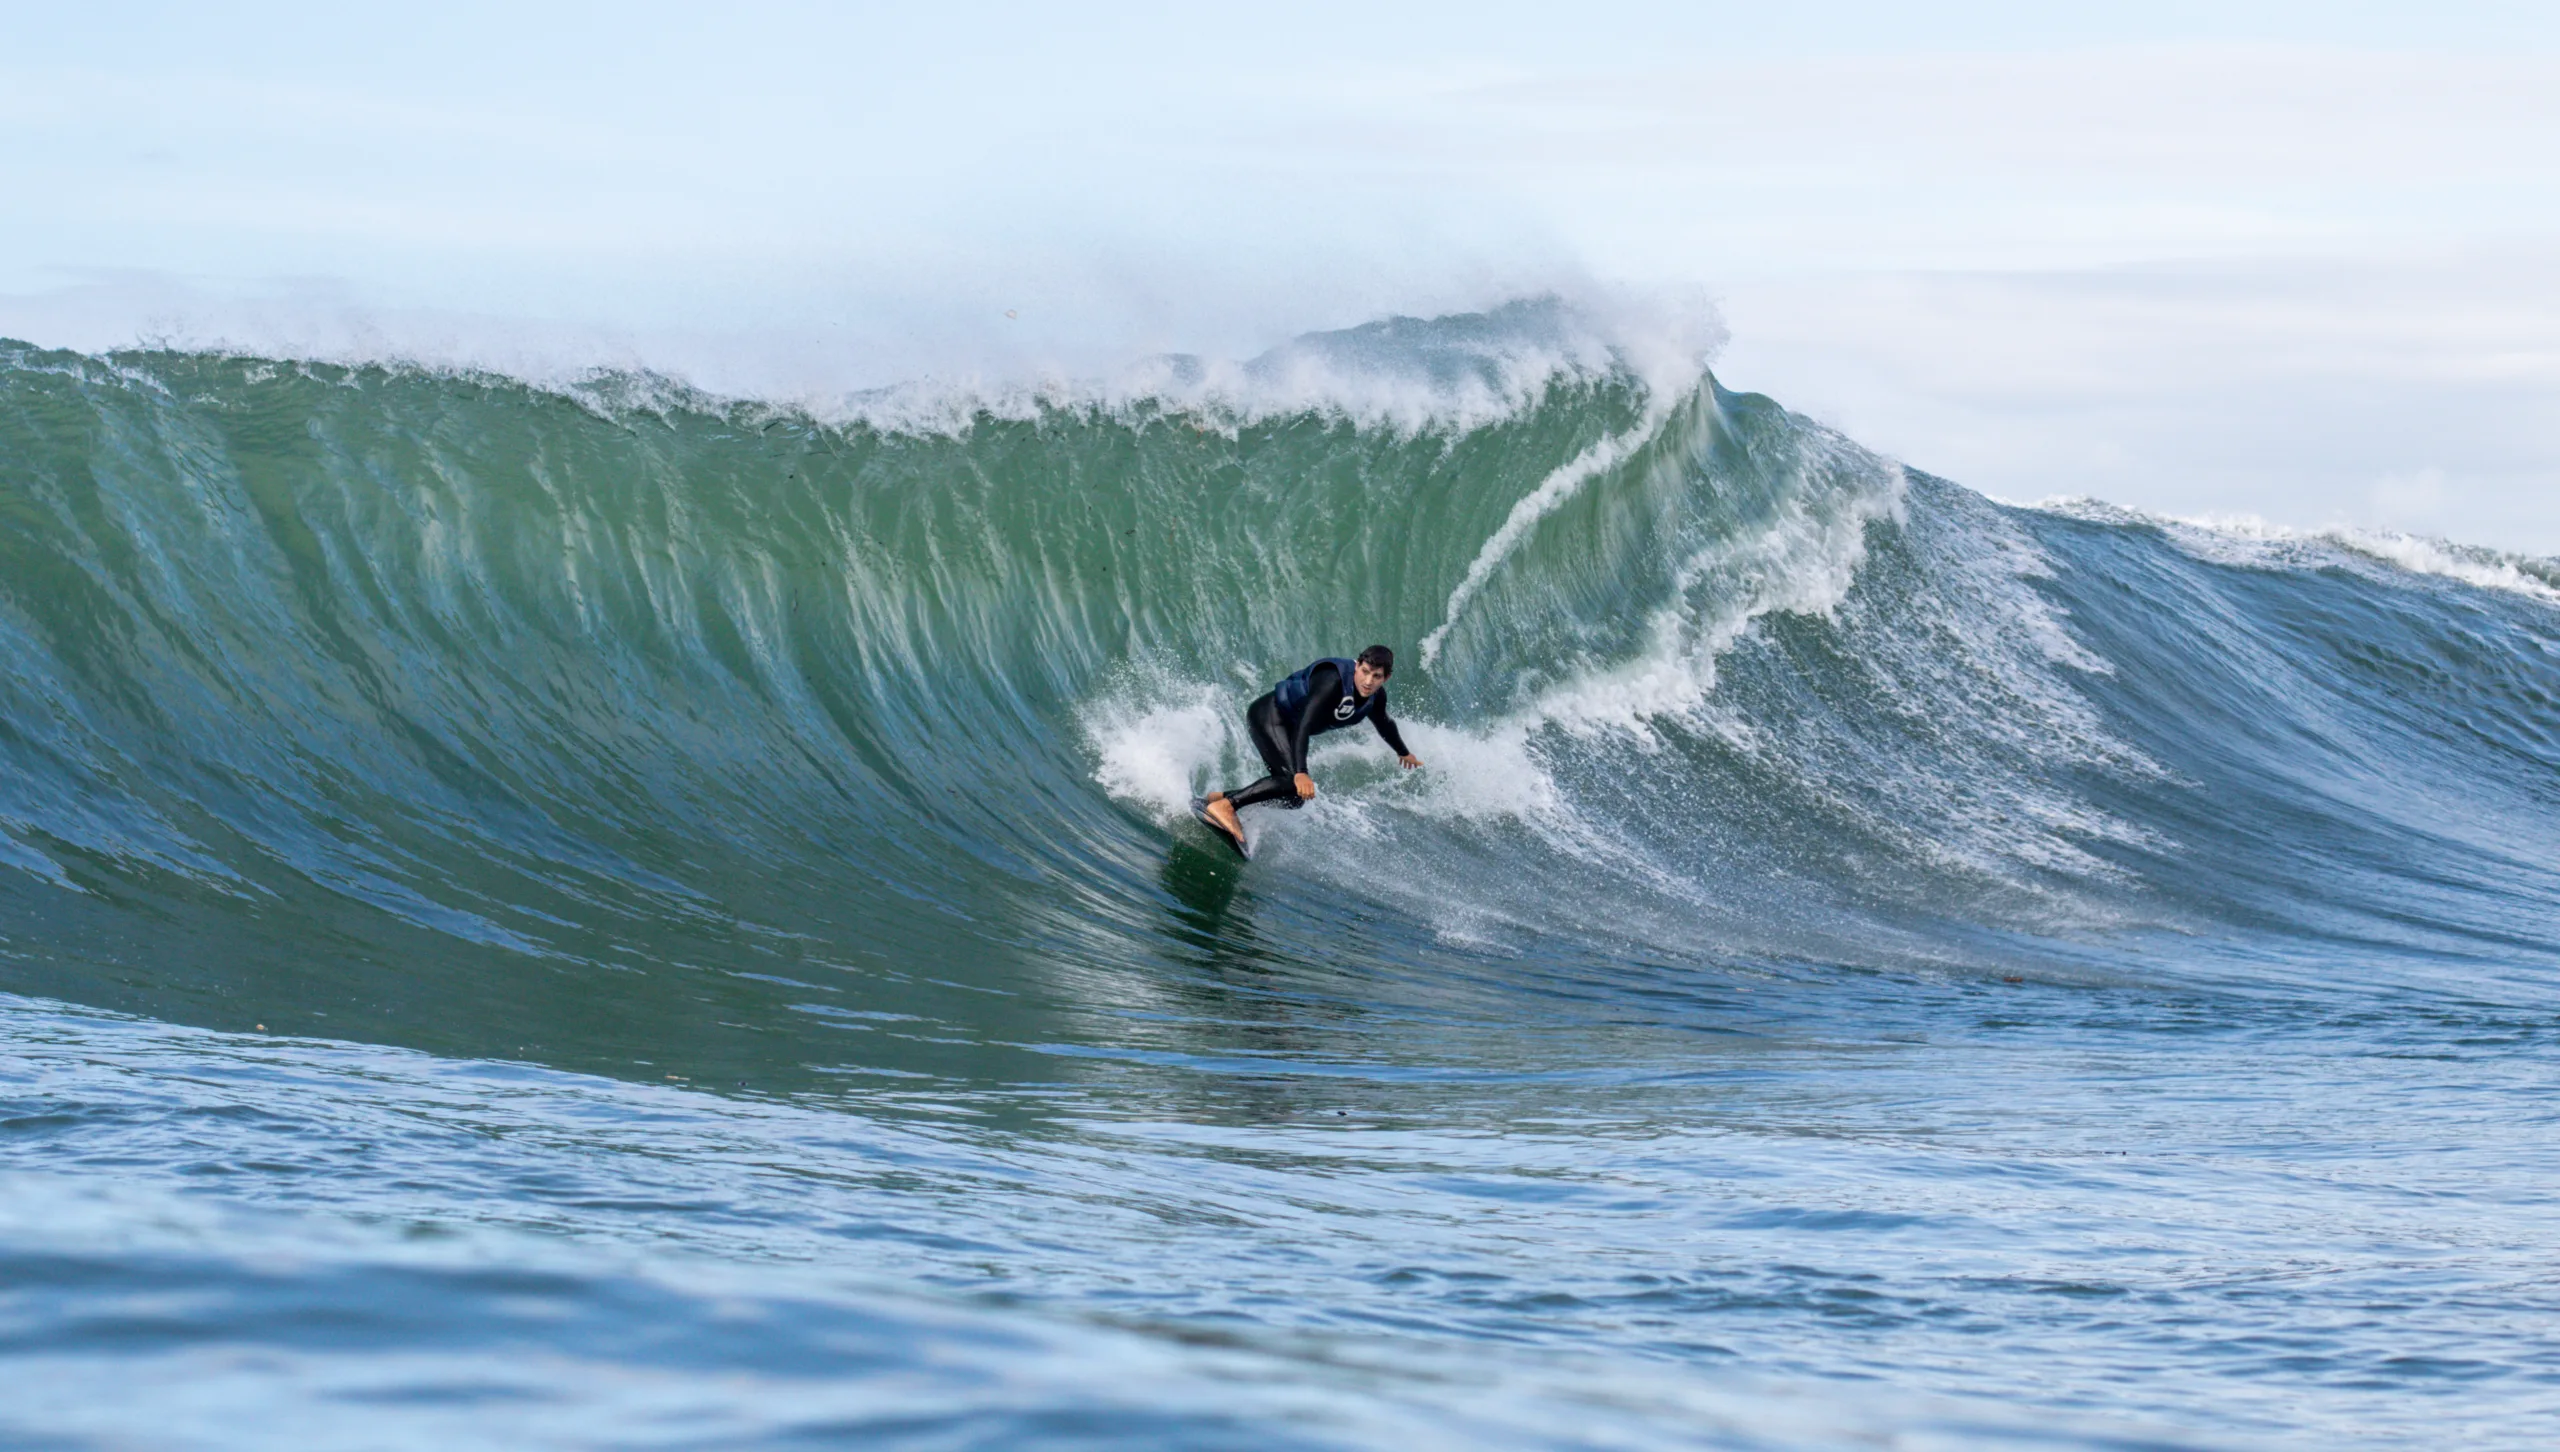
{"x": 1325, "y": 700}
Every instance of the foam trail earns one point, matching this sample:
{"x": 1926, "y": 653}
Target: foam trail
{"x": 1536, "y": 505}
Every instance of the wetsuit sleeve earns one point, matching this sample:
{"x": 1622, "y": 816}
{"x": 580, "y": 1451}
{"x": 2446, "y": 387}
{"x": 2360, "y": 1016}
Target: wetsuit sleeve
{"x": 1324, "y": 684}
{"x": 1387, "y": 729}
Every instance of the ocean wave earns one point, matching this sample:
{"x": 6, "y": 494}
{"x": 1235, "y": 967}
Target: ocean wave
{"x": 473, "y": 676}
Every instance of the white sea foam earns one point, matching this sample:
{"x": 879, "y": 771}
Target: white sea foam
{"x": 2472, "y": 565}
{"x": 1976, "y": 648}
{"x": 1802, "y": 560}
{"x": 1410, "y": 374}
{"x": 2255, "y": 543}
{"x": 1157, "y": 738}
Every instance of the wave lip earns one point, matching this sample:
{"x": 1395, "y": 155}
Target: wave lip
{"x": 2244, "y": 539}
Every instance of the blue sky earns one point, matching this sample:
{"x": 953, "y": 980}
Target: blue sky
{"x": 2293, "y": 260}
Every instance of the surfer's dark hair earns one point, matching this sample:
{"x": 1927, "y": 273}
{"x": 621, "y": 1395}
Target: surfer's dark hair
{"x": 1380, "y": 657}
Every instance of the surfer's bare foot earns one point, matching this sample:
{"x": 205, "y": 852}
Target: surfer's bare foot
{"x": 1223, "y": 812}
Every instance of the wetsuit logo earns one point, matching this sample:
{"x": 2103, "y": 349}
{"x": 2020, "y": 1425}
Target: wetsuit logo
{"x": 1343, "y": 710}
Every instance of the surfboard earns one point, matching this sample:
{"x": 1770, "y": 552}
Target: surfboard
{"x": 1200, "y": 809}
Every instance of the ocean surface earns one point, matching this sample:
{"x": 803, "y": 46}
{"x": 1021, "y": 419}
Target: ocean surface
{"x": 589, "y": 915}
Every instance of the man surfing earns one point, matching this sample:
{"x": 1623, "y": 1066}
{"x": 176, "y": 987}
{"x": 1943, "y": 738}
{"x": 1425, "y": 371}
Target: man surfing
{"x": 1326, "y": 696}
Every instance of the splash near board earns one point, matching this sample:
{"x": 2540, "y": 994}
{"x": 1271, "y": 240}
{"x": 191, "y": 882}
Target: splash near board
{"x": 1200, "y": 809}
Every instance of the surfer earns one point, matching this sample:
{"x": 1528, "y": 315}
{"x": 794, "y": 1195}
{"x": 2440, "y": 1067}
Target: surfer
{"x": 1326, "y": 696}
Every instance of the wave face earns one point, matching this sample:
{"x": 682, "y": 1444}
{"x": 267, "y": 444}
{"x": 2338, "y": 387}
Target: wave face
{"x": 837, "y": 766}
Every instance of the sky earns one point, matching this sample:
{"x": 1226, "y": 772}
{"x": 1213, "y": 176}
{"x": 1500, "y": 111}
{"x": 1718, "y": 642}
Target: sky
{"x": 2287, "y": 260}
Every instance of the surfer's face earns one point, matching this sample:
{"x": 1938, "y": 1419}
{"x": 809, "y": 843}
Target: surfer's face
{"x": 1366, "y": 678}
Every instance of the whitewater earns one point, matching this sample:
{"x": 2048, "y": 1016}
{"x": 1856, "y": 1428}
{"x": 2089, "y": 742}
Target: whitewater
{"x": 585, "y": 913}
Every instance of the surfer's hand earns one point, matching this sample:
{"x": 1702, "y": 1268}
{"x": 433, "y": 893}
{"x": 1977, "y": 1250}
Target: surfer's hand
{"x": 1408, "y": 761}
{"x": 1306, "y": 786}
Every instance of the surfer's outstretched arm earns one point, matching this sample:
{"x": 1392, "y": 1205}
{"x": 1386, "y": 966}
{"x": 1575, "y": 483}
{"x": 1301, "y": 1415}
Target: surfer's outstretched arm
{"x": 1388, "y": 733}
